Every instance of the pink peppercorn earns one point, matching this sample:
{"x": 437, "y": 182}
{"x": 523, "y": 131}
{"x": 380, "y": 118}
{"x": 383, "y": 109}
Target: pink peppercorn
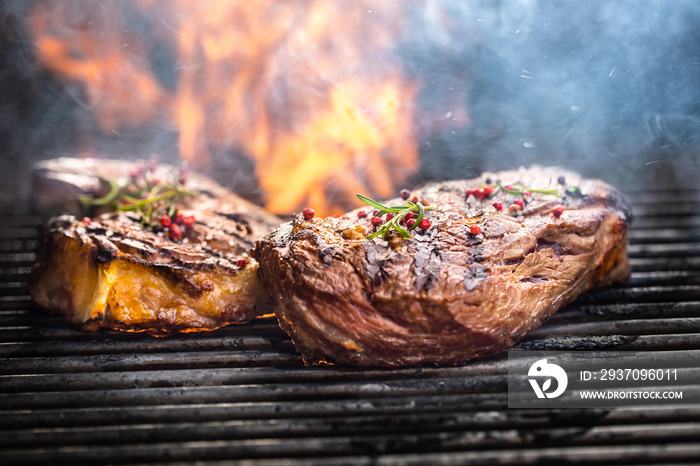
{"x": 308, "y": 213}
{"x": 175, "y": 232}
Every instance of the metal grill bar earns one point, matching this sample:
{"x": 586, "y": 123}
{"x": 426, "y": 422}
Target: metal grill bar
{"x": 242, "y": 392}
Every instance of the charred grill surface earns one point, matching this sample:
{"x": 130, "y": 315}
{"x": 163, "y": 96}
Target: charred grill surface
{"x": 241, "y": 393}
{"x": 447, "y": 294}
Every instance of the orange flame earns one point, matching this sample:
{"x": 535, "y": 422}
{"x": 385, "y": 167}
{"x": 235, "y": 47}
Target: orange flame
{"x": 310, "y": 90}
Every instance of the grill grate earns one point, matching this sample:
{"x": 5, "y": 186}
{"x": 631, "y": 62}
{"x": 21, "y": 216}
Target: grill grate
{"x": 242, "y": 393}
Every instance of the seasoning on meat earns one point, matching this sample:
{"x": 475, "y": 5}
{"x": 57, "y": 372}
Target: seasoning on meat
{"x": 184, "y": 269}
{"x": 451, "y": 292}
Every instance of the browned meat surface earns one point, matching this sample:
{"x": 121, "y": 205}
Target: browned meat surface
{"x": 115, "y": 272}
{"x": 58, "y": 184}
{"x": 446, "y": 295}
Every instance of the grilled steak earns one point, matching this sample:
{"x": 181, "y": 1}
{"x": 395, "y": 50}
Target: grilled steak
{"x": 451, "y": 292}
{"x": 113, "y": 271}
{"x": 58, "y": 184}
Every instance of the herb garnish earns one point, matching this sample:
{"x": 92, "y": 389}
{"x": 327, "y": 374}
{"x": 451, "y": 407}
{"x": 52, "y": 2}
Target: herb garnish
{"x": 520, "y": 189}
{"x": 399, "y": 212}
{"x": 143, "y": 194}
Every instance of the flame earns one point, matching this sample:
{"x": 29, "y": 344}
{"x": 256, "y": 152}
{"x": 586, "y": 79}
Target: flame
{"x": 310, "y": 90}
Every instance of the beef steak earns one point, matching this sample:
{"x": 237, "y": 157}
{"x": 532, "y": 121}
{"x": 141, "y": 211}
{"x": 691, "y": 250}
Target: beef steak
{"x": 115, "y": 272}
{"x": 447, "y": 294}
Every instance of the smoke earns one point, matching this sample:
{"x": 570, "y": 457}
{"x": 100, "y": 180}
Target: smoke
{"x": 604, "y": 87}
{"x": 608, "y": 88}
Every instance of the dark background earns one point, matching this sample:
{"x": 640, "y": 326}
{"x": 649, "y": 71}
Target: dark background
{"x": 608, "y": 88}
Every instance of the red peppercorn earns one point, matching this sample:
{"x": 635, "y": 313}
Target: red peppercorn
{"x": 188, "y": 221}
{"x": 175, "y": 232}
{"x": 557, "y": 211}
{"x": 165, "y": 221}
{"x": 362, "y": 214}
{"x": 179, "y": 218}
{"x": 527, "y": 193}
{"x": 498, "y": 205}
{"x": 424, "y": 202}
{"x": 389, "y": 216}
{"x": 519, "y": 202}
{"x": 475, "y": 229}
{"x": 470, "y": 192}
{"x": 415, "y": 199}
{"x": 410, "y": 222}
{"x": 406, "y": 218}
{"x": 376, "y": 221}
{"x": 86, "y": 221}
{"x": 242, "y": 262}
{"x": 424, "y": 224}
{"x": 488, "y": 190}
{"x": 375, "y": 212}
{"x": 479, "y": 193}
{"x": 405, "y": 194}
{"x": 308, "y": 213}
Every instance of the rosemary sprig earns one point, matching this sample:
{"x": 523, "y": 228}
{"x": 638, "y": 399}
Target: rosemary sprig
{"x": 520, "y": 189}
{"x": 400, "y": 212}
{"x": 142, "y": 194}
{"x": 107, "y": 199}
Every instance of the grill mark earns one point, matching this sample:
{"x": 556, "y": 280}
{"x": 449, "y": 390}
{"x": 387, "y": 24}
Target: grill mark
{"x": 476, "y": 273}
{"x": 428, "y": 261}
{"x": 242, "y": 223}
{"x": 377, "y": 257}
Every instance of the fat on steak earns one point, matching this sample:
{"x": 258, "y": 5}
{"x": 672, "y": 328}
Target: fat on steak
{"x": 446, "y": 295}
{"x": 116, "y": 273}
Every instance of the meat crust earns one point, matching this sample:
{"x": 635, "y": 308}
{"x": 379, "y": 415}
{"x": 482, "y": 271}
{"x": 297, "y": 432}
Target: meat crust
{"x": 113, "y": 272}
{"x": 446, "y": 295}
{"x": 57, "y": 185}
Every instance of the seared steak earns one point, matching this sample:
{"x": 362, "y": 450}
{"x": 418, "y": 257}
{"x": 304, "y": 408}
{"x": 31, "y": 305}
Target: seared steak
{"x": 453, "y": 291}
{"x": 58, "y": 184}
{"x": 113, "y": 271}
